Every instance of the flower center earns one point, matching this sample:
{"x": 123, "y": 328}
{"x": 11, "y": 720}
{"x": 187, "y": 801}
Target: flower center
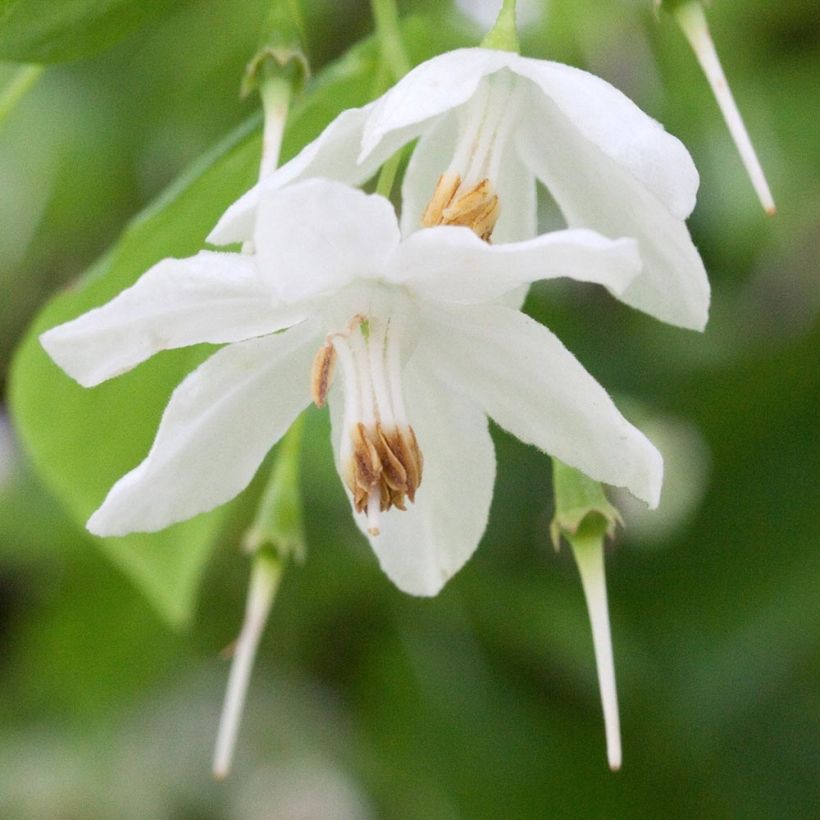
{"x": 380, "y": 457}
{"x": 465, "y": 193}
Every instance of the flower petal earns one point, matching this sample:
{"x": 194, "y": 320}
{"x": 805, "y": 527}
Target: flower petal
{"x": 608, "y": 119}
{"x": 597, "y": 192}
{"x": 452, "y": 264}
{"x": 218, "y": 426}
{"x": 518, "y": 206}
{"x": 527, "y": 381}
{"x": 437, "y": 85}
{"x": 210, "y": 297}
{"x": 333, "y": 154}
{"x": 421, "y": 548}
{"x": 316, "y": 236}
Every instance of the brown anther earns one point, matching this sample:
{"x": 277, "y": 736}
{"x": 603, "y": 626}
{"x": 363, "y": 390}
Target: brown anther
{"x": 476, "y": 208}
{"x": 321, "y": 374}
{"x": 393, "y": 471}
{"x": 387, "y": 461}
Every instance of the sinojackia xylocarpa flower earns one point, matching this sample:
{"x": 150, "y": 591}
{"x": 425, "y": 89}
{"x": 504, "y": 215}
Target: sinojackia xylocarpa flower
{"x": 489, "y": 123}
{"x": 422, "y": 352}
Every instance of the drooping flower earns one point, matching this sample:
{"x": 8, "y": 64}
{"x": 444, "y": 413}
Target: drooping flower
{"x": 489, "y": 124}
{"x": 422, "y": 353}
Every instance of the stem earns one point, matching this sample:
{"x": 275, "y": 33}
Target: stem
{"x": 276, "y": 94}
{"x": 395, "y": 59}
{"x": 503, "y": 35}
{"x": 387, "y": 174}
{"x": 692, "y": 20}
{"x": 386, "y": 16}
{"x": 20, "y": 84}
{"x": 266, "y": 573}
{"x": 589, "y": 556}
{"x": 278, "y": 521}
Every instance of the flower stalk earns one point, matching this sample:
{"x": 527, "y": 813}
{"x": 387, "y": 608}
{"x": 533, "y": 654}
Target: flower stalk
{"x": 396, "y": 64}
{"x": 585, "y": 518}
{"x": 692, "y": 20}
{"x": 278, "y": 69}
{"x": 388, "y": 31}
{"x": 266, "y": 574}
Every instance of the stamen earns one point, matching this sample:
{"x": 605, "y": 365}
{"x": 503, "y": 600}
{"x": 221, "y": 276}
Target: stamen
{"x": 321, "y": 375}
{"x": 381, "y": 457}
{"x": 477, "y": 208}
{"x": 465, "y": 194}
{"x": 446, "y": 188}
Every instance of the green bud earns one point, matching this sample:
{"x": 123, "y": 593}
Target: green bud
{"x": 278, "y": 525}
{"x": 281, "y": 53}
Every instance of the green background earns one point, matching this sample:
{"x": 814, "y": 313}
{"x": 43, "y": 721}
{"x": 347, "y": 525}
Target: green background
{"x": 365, "y": 702}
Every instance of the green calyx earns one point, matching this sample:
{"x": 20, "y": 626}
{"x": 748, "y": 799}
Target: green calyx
{"x": 503, "y": 36}
{"x": 582, "y": 510}
{"x": 281, "y": 54}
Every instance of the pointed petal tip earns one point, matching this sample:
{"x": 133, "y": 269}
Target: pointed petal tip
{"x": 615, "y": 763}
{"x": 97, "y": 525}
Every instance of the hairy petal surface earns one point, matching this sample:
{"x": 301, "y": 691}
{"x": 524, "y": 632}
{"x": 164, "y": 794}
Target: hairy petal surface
{"x": 525, "y": 379}
{"x": 595, "y": 191}
{"x": 317, "y": 236}
{"x": 210, "y": 297}
{"x": 218, "y": 426}
{"x": 452, "y": 264}
{"x": 421, "y": 548}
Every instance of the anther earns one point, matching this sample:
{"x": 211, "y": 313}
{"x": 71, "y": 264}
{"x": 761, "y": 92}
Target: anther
{"x": 476, "y": 208}
{"x": 321, "y": 375}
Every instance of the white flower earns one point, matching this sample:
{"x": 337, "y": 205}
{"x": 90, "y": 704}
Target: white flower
{"x": 489, "y": 124}
{"x": 424, "y": 355}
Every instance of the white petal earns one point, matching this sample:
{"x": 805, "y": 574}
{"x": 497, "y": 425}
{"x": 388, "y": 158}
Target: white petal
{"x": 611, "y": 121}
{"x": 210, "y": 297}
{"x": 595, "y": 191}
{"x": 430, "y": 89}
{"x": 527, "y": 381}
{"x": 452, "y": 264}
{"x": 316, "y": 236}
{"x": 429, "y": 160}
{"x": 518, "y": 205}
{"x": 333, "y": 155}
{"x": 216, "y": 429}
{"x": 421, "y": 548}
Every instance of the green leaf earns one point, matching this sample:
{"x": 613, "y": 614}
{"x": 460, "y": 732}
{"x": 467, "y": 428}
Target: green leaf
{"x": 81, "y": 441}
{"x": 53, "y": 31}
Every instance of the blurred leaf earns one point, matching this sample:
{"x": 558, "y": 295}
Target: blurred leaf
{"x": 81, "y": 441}
{"x": 42, "y": 31}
